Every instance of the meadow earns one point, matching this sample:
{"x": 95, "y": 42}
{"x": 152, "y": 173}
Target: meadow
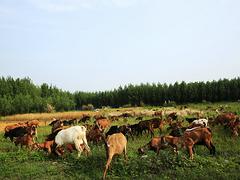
{"x": 17, "y": 163}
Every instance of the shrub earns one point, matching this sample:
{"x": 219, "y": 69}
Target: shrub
{"x": 50, "y": 108}
{"x": 88, "y": 107}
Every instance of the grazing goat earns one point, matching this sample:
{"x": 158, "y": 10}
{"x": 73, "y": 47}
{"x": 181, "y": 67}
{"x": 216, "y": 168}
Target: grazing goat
{"x": 57, "y": 124}
{"x": 203, "y": 122}
{"x": 85, "y": 118}
{"x": 155, "y": 144}
{"x": 124, "y": 129}
{"x": 27, "y": 139}
{"x": 11, "y": 127}
{"x": 71, "y": 147}
{"x": 74, "y": 135}
{"x": 115, "y": 144}
{"x": 173, "y": 116}
{"x": 234, "y": 127}
{"x": 102, "y": 124}
{"x": 33, "y": 123}
{"x": 158, "y": 113}
{"x": 46, "y": 146}
{"x": 18, "y": 132}
{"x": 95, "y": 135}
{"x": 198, "y": 135}
{"x": 150, "y": 125}
{"x": 177, "y": 129}
{"x": 225, "y": 118}
{"x": 162, "y": 142}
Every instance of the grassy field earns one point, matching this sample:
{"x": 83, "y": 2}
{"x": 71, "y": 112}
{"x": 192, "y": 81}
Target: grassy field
{"x": 17, "y": 163}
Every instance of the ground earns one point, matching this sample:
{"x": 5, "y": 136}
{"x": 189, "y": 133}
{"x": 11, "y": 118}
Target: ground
{"x": 17, "y": 163}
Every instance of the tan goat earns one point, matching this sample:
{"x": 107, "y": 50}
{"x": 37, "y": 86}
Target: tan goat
{"x": 115, "y": 144}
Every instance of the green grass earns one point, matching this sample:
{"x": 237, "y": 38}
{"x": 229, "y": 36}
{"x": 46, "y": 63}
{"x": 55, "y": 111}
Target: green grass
{"x": 17, "y": 163}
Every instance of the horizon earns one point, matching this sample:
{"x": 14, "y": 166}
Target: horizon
{"x": 90, "y": 46}
{"x": 75, "y": 91}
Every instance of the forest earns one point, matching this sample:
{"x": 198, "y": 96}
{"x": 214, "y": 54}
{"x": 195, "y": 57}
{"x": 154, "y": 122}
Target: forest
{"x": 19, "y": 96}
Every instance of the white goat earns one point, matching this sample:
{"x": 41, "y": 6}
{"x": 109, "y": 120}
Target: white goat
{"x": 74, "y": 135}
{"x": 203, "y": 122}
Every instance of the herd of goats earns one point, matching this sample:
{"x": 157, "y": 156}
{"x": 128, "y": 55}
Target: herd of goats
{"x": 68, "y": 135}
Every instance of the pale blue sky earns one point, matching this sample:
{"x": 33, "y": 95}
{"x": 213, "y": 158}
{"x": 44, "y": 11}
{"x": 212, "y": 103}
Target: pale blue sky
{"x": 92, "y": 45}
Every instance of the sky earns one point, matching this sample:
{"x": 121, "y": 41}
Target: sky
{"x": 98, "y": 45}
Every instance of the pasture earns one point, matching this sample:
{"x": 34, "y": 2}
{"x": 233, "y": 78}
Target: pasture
{"x": 17, "y": 163}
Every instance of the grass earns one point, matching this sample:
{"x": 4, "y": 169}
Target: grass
{"x": 17, "y": 163}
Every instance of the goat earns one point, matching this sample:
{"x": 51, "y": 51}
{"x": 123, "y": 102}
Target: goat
{"x": 225, "y": 118}
{"x": 71, "y": 147}
{"x": 57, "y": 124}
{"x": 74, "y": 135}
{"x": 124, "y": 129}
{"x": 198, "y": 135}
{"x": 27, "y": 139}
{"x": 203, "y": 122}
{"x": 46, "y": 146}
{"x": 19, "y": 131}
{"x": 155, "y": 144}
{"x": 102, "y": 124}
{"x": 162, "y": 142}
{"x": 33, "y": 123}
{"x": 115, "y": 144}
{"x": 95, "y": 135}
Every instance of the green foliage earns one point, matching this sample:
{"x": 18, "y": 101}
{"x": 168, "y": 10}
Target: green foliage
{"x": 22, "y": 96}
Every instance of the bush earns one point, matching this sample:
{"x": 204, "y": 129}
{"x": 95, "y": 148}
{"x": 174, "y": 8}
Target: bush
{"x": 169, "y": 104}
{"x": 50, "y": 108}
{"x": 127, "y": 106}
{"x": 88, "y": 107}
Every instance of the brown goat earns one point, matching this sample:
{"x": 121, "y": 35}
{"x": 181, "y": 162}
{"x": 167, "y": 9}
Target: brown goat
{"x": 33, "y": 123}
{"x": 158, "y": 143}
{"x": 196, "y": 136}
{"x": 13, "y": 126}
{"x": 47, "y": 146}
{"x": 225, "y": 118}
{"x": 115, "y": 144}
{"x": 95, "y": 135}
{"x": 200, "y": 136}
{"x": 56, "y": 125}
{"x": 155, "y": 144}
{"x": 173, "y": 142}
{"x": 102, "y": 124}
{"x": 26, "y": 140}
{"x": 71, "y": 147}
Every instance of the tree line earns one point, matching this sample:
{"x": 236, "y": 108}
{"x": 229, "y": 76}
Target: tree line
{"x": 22, "y": 96}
